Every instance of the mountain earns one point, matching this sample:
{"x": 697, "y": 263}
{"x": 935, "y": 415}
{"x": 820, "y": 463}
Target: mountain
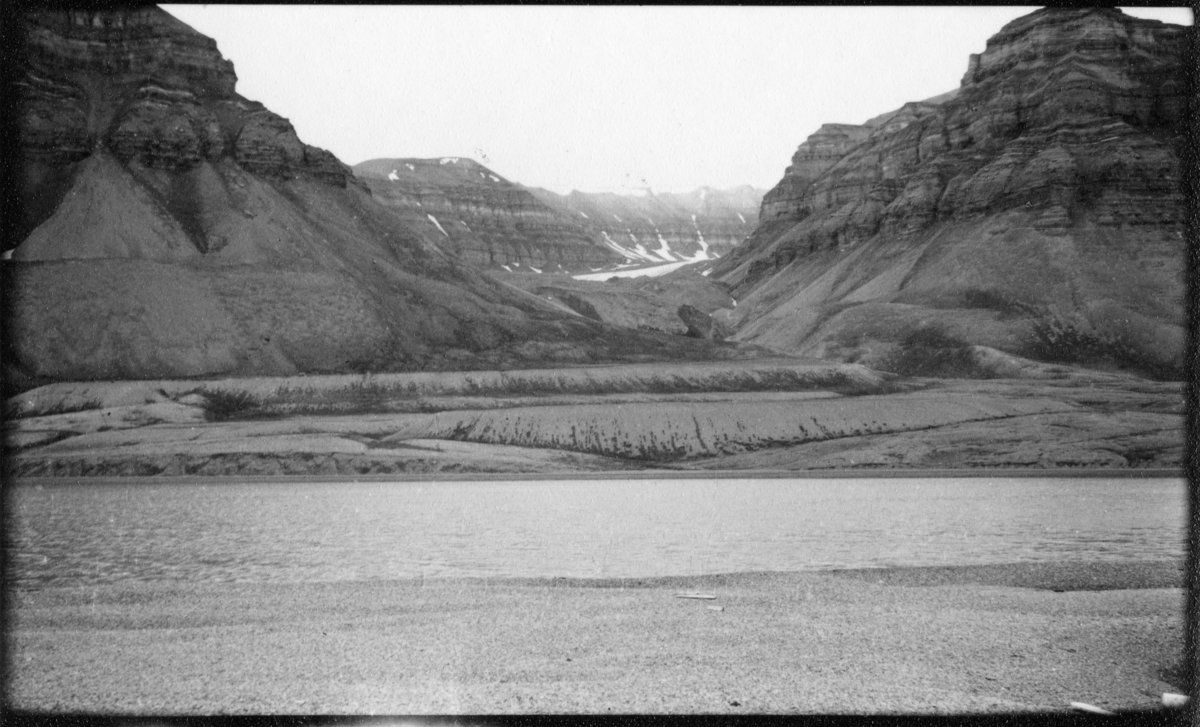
{"x": 493, "y": 223}
{"x": 170, "y": 227}
{"x": 482, "y": 217}
{"x": 1036, "y": 210}
{"x": 663, "y": 227}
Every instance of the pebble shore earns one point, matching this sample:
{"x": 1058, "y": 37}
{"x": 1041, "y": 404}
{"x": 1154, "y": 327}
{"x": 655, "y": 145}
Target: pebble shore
{"x": 1022, "y": 637}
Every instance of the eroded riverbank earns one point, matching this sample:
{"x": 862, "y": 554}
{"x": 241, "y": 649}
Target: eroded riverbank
{"x": 759, "y": 416}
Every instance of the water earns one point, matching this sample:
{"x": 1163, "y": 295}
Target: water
{"x": 90, "y": 534}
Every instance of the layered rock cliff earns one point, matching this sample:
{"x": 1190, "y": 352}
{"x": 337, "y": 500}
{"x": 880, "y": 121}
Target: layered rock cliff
{"x": 1036, "y": 210}
{"x": 490, "y": 222}
{"x": 663, "y": 227}
{"x": 170, "y": 227}
{"x": 485, "y": 219}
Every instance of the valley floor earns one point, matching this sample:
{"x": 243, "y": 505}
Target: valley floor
{"x": 999, "y": 638}
{"x": 771, "y": 415}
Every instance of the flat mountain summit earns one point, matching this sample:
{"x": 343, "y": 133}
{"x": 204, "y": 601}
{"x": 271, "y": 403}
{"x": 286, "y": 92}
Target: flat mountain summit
{"x": 172, "y": 227}
{"x": 1037, "y": 211}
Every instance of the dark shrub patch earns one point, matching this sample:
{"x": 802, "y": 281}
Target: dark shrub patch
{"x": 931, "y": 351}
{"x": 1074, "y": 340}
{"x": 224, "y": 405}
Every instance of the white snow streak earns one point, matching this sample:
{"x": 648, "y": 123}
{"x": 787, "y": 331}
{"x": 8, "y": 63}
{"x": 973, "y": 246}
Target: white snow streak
{"x": 494, "y": 177}
{"x": 392, "y": 176}
{"x": 439, "y": 225}
{"x": 585, "y": 216}
{"x": 411, "y": 168}
{"x": 637, "y": 252}
{"x": 651, "y": 272}
{"x": 743, "y": 219}
{"x": 664, "y": 251}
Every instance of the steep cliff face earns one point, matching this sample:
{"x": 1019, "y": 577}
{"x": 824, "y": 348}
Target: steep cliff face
{"x": 663, "y": 227}
{"x": 172, "y": 228}
{"x": 146, "y": 90}
{"x": 1037, "y": 210}
{"x": 482, "y": 217}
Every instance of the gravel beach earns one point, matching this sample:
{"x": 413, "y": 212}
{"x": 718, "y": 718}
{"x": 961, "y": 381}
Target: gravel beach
{"x": 1027, "y": 637}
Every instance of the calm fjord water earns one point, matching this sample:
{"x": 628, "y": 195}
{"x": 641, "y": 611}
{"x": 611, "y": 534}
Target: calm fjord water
{"x": 89, "y": 534}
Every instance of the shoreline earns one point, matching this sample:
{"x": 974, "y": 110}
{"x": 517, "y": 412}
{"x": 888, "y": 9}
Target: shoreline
{"x": 642, "y": 474}
{"x": 903, "y": 640}
{"x": 1059, "y": 576}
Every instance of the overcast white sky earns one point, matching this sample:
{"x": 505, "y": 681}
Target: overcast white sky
{"x": 594, "y": 98}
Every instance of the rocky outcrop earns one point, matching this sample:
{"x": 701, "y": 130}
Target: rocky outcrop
{"x": 484, "y": 219}
{"x": 663, "y": 227}
{"x": 700, "y": 324}
{"x": 151, "y": 91}
{"x": 1001, "y": 211}
{"x": 172, "y": 228}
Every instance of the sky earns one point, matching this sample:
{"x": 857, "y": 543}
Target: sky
{"x": 597, "y": 99}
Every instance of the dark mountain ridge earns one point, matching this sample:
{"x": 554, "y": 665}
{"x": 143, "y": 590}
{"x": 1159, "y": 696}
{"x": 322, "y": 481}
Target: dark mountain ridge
{"x": 1037, "y": 211}
{"x": 173, "y": 228}
{"x": 484, "y": 219}
{"x": 493, "y": 223}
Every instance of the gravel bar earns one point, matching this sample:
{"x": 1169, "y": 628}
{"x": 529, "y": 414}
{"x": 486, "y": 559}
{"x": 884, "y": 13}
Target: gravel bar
{"x": 975, "y": 639}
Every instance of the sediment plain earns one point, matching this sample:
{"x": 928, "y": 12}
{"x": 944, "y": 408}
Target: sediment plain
{"x": 1001, "y": 638}
{"x": 766, "y": 415}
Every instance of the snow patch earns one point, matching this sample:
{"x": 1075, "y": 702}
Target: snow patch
{"x": 393, "y": 176}
{"x": 510, "y": 269}
{"x": 650, "y": 272}
{"x": 664, "y": 251}
{"x": 534, "y": 269}
{"x": 585, "y": 216}
{"x": 705, "y": 273}
{"x": 439, "y": 225}
{"x": 449, "y": 160}
{"x": 411, "y": 168}
{"x": 637, "y": 252}
{"x": 494, "y": 177}
{"x": 743, "y": 219}
{"x": 618, "y": 218}
{"x": 694, "y": 222}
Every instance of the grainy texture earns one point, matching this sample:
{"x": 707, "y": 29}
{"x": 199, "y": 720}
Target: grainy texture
{"x": 981, "y": 639}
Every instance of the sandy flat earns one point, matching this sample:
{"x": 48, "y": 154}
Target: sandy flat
{"x": 927, "y": 640}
